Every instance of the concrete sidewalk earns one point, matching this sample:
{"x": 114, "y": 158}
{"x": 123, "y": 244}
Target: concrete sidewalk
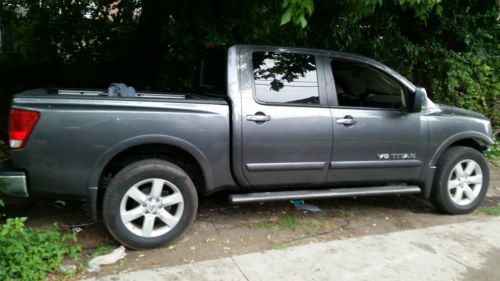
{"x": 466, "y": 251}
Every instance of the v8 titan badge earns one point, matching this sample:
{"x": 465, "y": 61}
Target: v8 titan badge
{"x": 397, "y": 156}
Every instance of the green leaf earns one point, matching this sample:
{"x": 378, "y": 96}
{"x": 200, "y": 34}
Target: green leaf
{"x": 309, "y": 7}
{"x": 439, "y": 10}
{"x": 302, "y": 20}
{"x": 286, "y": 17}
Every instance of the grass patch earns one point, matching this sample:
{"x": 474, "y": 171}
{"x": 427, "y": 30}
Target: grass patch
{"x": 347, "y": 214}
{"x": 490, "y": 211}
{"x": 313, "y": 226}
{"x": 265, "y": 225}
{"x": 292, "y": 222}
{"x": 278, "y": 246}
{"x": 102, "y": 250}
{"x": 288, "y": 221}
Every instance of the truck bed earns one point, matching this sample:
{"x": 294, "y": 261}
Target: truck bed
{"x": 79, "y": 131}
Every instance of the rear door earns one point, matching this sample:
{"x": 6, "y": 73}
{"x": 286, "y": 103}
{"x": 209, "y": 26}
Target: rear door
{"x": 286, "y": 122}
{"x": 375, "y": 137}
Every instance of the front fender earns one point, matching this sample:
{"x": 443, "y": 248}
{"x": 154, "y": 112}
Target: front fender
{"x": 431, "y": 167}
{"x": 455, "y": 138}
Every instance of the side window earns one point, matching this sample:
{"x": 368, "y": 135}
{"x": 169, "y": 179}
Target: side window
{"x": 213, "y": 73}
{"x": 360, "y": 85}
{"x": 285, "y": 78}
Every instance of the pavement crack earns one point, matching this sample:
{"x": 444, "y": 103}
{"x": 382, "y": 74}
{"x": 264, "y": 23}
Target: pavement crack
{"x": 458, "y": 261}
{"x": 237, "y": 266}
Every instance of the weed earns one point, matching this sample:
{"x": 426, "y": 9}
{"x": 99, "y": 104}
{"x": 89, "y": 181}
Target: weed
{"x": 312, "y": 226}
{"x": 347, "y": 214}
{"x": 490, "y": 211}
{"x": 278, "y": 246}
{"x": 265, "y": 224}
{"x": 102, "y": 250}
{"x": 493, "y": 153}
{"x": 30, "y": 254}
{"x": 289, "y": 221}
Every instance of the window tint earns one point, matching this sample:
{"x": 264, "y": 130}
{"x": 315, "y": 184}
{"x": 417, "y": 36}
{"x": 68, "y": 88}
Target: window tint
{"x": 285, "y": 78}
{"x": 360, "y": 85}
{"x": 213, "y": 73}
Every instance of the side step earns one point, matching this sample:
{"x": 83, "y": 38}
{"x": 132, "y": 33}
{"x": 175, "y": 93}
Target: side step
{"x": 324, "y": 193}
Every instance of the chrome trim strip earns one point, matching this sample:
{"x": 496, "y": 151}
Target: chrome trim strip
{"x": 286, "y": 166}
{"x": 327, "y": 193}
{"x": 13, "y": 183}
{"x": 374, "y": 164}
{"x": 82, "y": 92}
{"x": 103, "y": 93}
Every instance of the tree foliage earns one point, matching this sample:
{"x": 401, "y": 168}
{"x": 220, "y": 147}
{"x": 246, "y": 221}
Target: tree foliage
{"x": 298, "y": 10}
{"x": 449, "y": 47}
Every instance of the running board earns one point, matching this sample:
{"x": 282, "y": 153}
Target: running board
{"x": 323, "y": 193}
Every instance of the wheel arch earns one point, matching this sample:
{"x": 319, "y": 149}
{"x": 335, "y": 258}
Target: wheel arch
{"x": 472, "y": 139}
{"x": 158, "y": 146}
{"x": 475, "y": 140}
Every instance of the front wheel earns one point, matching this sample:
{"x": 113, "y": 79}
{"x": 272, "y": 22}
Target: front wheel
{"x": 149, "y": 203}
{"x": 461, "y": 181}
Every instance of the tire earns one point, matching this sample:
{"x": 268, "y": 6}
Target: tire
{"x": 149, "y": 203}
{"x": 461, "y": 181}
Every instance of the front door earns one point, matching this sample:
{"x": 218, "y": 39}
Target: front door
{"x": 375, "y": 137}
{"x": 286, "y": 123}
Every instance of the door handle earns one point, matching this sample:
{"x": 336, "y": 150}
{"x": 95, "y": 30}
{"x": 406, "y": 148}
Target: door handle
{"x": 259, "y": 117}
{"x": 347, "y": 121}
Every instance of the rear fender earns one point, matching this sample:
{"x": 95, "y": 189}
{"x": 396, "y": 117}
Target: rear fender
{"x": 142, "y": 140}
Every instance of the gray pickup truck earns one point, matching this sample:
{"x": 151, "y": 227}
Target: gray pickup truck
{"x": 266, "y": 123}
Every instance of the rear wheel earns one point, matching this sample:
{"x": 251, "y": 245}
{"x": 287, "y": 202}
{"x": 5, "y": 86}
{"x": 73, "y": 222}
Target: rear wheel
{"x": 149, "y": 203}
{"x": 461, "y": 181}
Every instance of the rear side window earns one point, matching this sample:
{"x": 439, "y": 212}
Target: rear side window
{"x": 360, "y": 85}
{"x": 285, "y": 78}
{"x": 213, "y": 73}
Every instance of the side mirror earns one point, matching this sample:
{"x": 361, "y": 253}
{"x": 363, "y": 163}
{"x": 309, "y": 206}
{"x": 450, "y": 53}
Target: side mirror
{"x": 419, "y": 97}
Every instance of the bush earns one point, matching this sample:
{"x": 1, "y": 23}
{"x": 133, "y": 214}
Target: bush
{"x": 30, "y": 254}
{"x": 470, "y": 81}
{"x": 494, "y": 152}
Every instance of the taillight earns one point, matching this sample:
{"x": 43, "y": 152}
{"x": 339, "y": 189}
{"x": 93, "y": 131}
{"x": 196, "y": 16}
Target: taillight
{"x": 21, "y": 123}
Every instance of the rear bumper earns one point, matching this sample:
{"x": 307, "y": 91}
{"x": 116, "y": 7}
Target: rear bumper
{"x": 13, "y": 183}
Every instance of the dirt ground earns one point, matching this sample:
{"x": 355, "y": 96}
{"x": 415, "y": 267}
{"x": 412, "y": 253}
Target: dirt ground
{"x": 222, "y": 230}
